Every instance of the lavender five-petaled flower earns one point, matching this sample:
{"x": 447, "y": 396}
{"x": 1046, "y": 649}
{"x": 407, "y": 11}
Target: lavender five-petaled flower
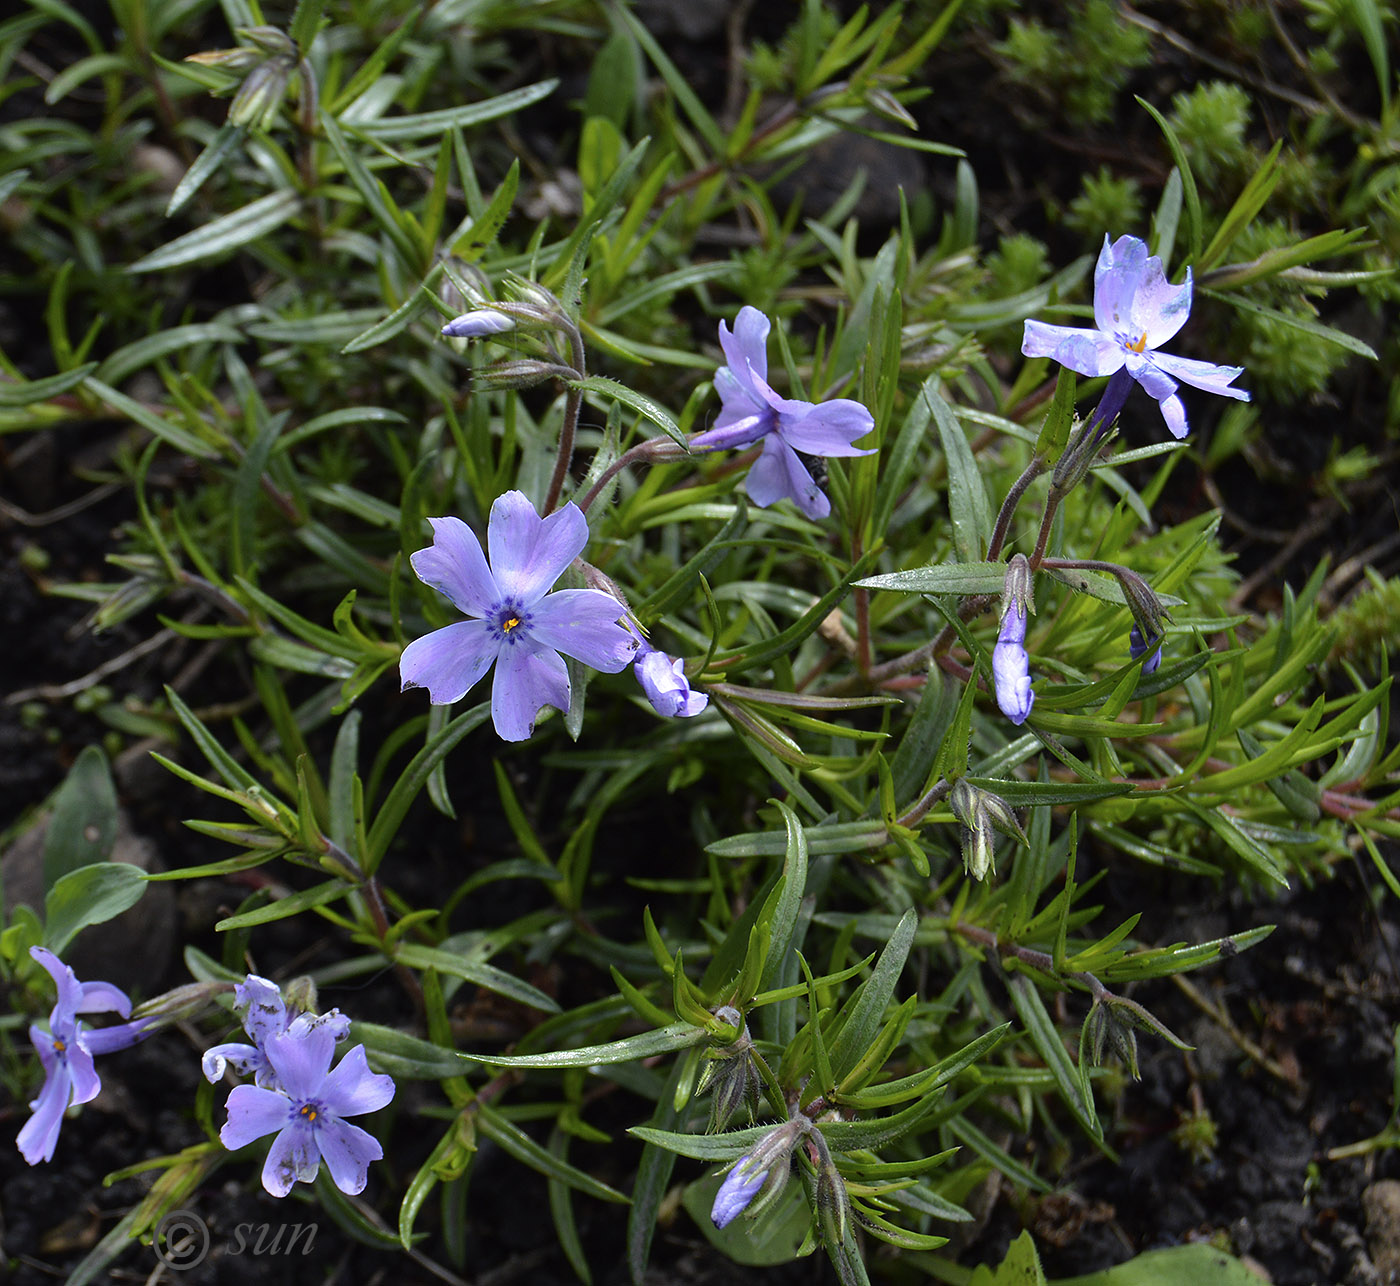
{"x": 740, "y": 1186}
{"x": 752, "y": 412}
{"x": 66, "y": 1051}
{"x": 1137, "y": 645}
{"x": 307, "y": 1111}
{"x": 264, "y": 1014}
{"x": 663, "y": 680}
{"x": 1136, "y": 309}
{"x": 519, "y": 625}
{"x": 1011, "y": 672}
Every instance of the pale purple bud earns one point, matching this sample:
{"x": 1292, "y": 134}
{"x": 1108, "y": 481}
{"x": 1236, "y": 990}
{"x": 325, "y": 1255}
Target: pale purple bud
{"x": 478, "y": 323}
{"x": 663, "y": 680}
{"x": 1011, "y": 667}
{"x": 1137, "y": 646}
{"x": 740, "y": 1187}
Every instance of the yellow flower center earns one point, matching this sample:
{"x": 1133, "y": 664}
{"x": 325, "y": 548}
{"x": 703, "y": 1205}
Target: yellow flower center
{"x": 59, "y": 1045}
{"x": 1137, "y": 345}
{"x": 508, "y": 625}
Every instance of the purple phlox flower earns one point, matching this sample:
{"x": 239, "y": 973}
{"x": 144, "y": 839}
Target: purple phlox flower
{"x": 477, "y": 323}
{"x": 306, "y": 1111}
{"x": 750, "y": 411}
{"x": 1011, "y": 673}
{"x": 66, "y": 1051}
{"x": 740, "y": 1187}
{"x": 265, "y": 1014}
{"x": 518, "y": 624}
{"x": 1136, "y": 310}
{"x": 1137, "y": 646}
{"x": 663, "y": 680}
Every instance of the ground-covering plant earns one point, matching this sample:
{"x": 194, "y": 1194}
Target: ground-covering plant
{"x": 801, "y": 600}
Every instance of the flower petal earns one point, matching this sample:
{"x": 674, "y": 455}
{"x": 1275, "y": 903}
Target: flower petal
{"x": 1012, "y": 680}
{"x": 1116, "y": 278}
{"x": 738, "y": 397}
{"x": 738, "y": 433}
{"x": 527, "y": 678}
{"x": 1159, "y": 309}
{"x": 38, "y": 1136}
{"x": 107, "y": 1040}
{"x": 1090, "y": 352}
{"x": 81, "y": 1073}
{"x": 102, "y": 998}
{"x": 347, "y": 1150}
{"x": 252, "y": 1114}
{"x": 1202, "y": 375}
{"x": 301, "y": 1060}
{"x": 292, "y": 1156}
{"x": 1174, "y": 413}
{"x": 828, "y": 428}
{"x": 352, "y": 1088}
{"x": 583, "y": 624}
{"x": 454, "y": 565}
{"x": 746, "y": 350}
{"x": 243, "y": 1059}
{"x": 1144, "y": 369}
{"x": 260, "y": 1002}
{"x": 70, "y": 990}
{"x": 530, "y": 553}
{"x": 43, "y": 1046}
{"x": 448, "y": 662}
{"x": 778, "y": 474}
{"x": 332, "y": 1020}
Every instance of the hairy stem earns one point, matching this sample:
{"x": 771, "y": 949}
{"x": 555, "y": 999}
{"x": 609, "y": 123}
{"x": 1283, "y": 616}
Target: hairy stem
{"x": 572, "y": 405}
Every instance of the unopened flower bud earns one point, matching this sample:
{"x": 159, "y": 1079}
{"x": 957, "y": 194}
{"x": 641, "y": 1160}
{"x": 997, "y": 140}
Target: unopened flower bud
{"x": 270, "y": 40}
{"x": 1138, "y": 646}
{"x": 476, "y": 324}
{"x": 255, "y": 104}
{"x": 1106, "y": 1028}
{"x": 1149, "y": 616}
{"x": 663, "y": 680}
{"x": 300, "y": 995}
{"x": 730, "y": 1073}
{"x": 229, "y": 59}
{"x": 1010, "y": 662}
{"x": 1002, "y": 815}
{"x": 739, "y": 1188}
{"x": 524, "y": 373}
{"x": 463, "y": 286}
{"x": 763, "y": 1168}
{"x": 975, "y": 829}
{"x": 533, "y": 294}
{"x": 833, "y": 1205}
{"x": 180, "y": 1003}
